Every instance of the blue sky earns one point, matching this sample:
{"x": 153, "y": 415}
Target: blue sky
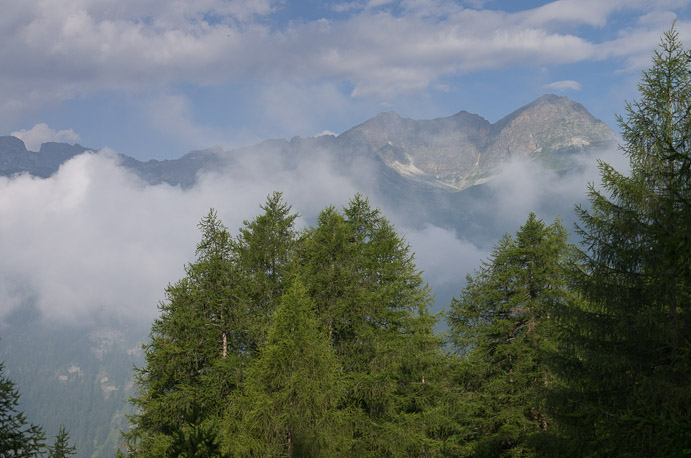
{"x": 158, "y": 78}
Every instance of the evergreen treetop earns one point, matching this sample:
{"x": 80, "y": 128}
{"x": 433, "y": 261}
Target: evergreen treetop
{"x": 503, "y": 328}
{"x": 626, "y": 357}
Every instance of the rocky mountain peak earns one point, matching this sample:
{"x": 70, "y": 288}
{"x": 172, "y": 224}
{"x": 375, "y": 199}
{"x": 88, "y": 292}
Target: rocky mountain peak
{"x": 9, "y": 143}
{"x": 464, "y": 149}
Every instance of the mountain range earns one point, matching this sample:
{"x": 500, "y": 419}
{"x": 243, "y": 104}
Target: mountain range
{"x": 452, "y": 153}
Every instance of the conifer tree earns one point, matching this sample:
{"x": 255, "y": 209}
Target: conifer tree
{"x": 180, "y": 389}
{"x": 292, "y": 389}
{"x": 62, "y": 448}
{"x": 18, "y": 437}
{"x": 374, "y": 306}
{"x": 626, "y": 362}
{"x": 264, "y": 252}
{"x": 502, "y": 326}
{"x": 211, "y": 326}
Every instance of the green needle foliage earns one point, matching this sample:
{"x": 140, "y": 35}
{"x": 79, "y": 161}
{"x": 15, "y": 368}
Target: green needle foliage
{"x": 292, "y": 390}
{"x": 18, "y": 437}
{"x": 264, "y": 252}
{"x": 374, "y": 306}
{"x": 211, "y": 326}
{"x": 627, "y": 357}
{"x": 322, "y": 344}
{"x": 62, "y": 448}
{"x": 178, "y": 401}
{"x": 503, "y": 327}
{"x": 274, "y": 346}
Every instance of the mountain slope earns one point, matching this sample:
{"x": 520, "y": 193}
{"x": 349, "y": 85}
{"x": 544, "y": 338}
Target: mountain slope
{"x": 463, "y": 150}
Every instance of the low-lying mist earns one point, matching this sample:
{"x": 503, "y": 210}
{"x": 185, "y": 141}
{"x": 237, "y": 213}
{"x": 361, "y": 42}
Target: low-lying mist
{"x": 94, "y": 241}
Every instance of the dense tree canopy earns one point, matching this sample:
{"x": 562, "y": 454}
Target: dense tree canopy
{"x": 374, "y": 305}
{"x": 288, "y": 405}
{"x": 270, "y": 336}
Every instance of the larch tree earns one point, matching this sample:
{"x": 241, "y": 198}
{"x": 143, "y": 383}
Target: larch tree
{"x": 179, "y": 389}
{"x": 264, "y": 251}
{"x": 18, "y": 437}
{"x": 627, "y": 357}
{"x": 288, "y": 405}
{"x": 503, "y": 329}
{"x": 211, "y": 326}
{"x": 374, "y": 306}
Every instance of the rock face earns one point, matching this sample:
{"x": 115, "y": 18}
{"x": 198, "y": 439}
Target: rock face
{"x": 463, "y": 150}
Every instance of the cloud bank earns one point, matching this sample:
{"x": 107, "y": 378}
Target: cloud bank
{"x": 61, "y": 50}
{"x": 94, "y": 241}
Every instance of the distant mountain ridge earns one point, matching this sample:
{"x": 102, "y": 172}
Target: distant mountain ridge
{"x": 453, "y": 153}
{"x": 463, "y": 150}
{"x": 15, "y": 158}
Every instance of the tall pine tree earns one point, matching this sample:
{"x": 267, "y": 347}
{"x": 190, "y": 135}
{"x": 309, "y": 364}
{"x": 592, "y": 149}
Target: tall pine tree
{"x": 627, "y": 355}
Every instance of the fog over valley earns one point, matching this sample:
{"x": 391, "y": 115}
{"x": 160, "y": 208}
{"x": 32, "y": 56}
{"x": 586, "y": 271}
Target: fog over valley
{"x": 94, "y": 240}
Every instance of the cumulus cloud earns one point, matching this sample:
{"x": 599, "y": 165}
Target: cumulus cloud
{"x": 522, "y": 186}
{"x": 94, "y": 241}
{"x": 41, "y": 133}
{"x": 565, "y": 85}
{"x": 62, "y": 49}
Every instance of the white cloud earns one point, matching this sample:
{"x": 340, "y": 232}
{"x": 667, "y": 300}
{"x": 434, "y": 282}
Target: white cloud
{"x": 523, "y": 186}
{"x": 90, "y": 240}
{"x": 444, "y": 257}
{"x": 41, "y": 133}
{"x": 378, "y": 3}
{"x": 588, "y": 12}
{"x": 636, "y": 45}
{"x": 565, "y": 85}
{"x": 94, "y": 241}
{"x": 60, "y": 49}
